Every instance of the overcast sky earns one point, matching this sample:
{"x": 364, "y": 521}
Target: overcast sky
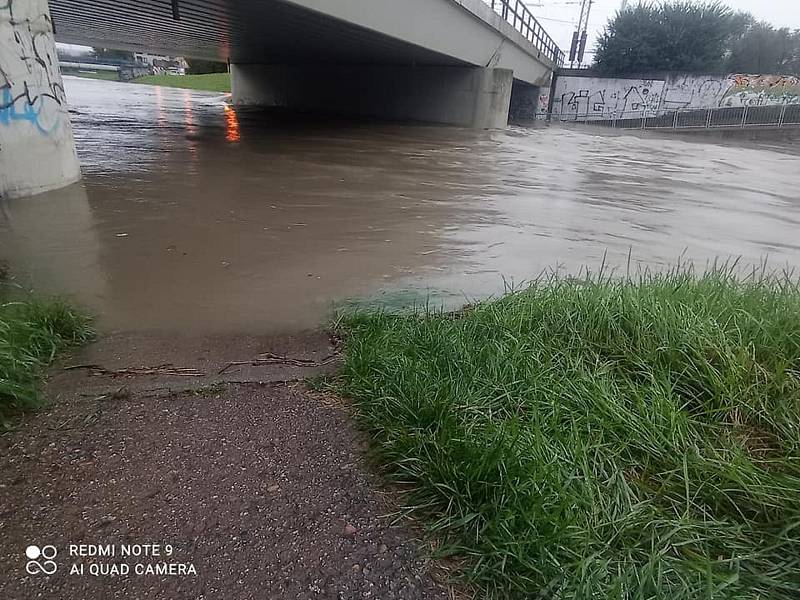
{"x": 559, "y": 17}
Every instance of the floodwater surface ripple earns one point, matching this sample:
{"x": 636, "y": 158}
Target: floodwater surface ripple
{"x": 193, "y": 216}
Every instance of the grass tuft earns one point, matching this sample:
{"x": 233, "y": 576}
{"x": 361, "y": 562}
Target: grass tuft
{"x": 598, "y": 438}
{"x": 32, "y": 332}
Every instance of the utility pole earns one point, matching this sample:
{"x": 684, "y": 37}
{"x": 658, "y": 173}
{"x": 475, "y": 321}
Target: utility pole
{"x": 580, "y": 36}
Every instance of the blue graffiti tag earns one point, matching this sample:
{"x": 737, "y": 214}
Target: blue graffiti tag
{"x": 9, "y": 112}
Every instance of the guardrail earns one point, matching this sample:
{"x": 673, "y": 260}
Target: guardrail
{"x": 778, "y": 115}
{"x": 520, "y": 18}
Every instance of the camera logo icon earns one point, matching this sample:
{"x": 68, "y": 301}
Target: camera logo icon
{"x": 46, "y": 566}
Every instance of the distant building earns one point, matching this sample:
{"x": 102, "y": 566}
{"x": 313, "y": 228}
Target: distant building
{"x": 159, "y": 63}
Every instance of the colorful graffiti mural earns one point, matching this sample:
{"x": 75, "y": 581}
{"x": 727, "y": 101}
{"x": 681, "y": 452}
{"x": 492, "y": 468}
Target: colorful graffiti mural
{"x": 762, "y": 90}
{"x": 603, "y": 98}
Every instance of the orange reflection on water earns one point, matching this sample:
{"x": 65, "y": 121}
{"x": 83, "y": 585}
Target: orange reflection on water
{"x": 232, "y": 133}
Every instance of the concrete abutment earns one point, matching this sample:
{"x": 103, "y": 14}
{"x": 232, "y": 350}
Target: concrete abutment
{"x": 37, "y": 150}
{"x": 464, "y": 96}
{"x": 524, "y": 101}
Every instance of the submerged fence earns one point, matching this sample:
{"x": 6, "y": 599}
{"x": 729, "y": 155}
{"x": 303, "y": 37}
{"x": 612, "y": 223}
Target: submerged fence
{"x": 517, "y": 14}
{"x": 783, "y": 115}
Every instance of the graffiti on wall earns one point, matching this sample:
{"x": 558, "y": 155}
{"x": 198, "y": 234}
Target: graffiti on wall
{"x": 544, "y": 103}
{"x": 30, "y": 84}
{"x": 762, "y": 90}
{"x": 595, "y": 97}
{"x": 606, "y": 98}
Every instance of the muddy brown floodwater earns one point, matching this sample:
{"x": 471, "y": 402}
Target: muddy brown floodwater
{"x": 194, "y": 217}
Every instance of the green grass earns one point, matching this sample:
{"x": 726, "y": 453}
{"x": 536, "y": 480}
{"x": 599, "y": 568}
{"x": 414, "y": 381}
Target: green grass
{"x": 32, "y": 332}
{"x": 597, "y": 438}
{"x": 212, "y": 82}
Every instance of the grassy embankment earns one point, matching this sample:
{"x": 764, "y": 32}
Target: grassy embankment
{"x": 598, "y": 439}
{"x": 103, "y": 75}
{"x": 32, "y": 332}
{"x": 212, "y": 82}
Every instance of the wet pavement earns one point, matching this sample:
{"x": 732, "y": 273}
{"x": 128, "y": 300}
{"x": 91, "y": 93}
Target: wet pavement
{"x": 196, "y": 218}
{"x": 260, "y": 490}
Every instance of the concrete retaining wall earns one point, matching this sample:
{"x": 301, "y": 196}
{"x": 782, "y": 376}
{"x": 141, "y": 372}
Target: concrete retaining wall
{"x": 603, "y": 98}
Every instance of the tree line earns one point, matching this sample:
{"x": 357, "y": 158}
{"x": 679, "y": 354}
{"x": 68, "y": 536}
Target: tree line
{"x": 695, "y": 37}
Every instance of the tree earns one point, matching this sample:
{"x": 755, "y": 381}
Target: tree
{"x": 794, "y": 62}
{"x": 761, "y": 48}
{"x": 201, "y": 67}
{"x": 673, "y": 36}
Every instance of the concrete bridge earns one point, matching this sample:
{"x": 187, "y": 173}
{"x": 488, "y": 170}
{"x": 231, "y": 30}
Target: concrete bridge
{"x": 459, "y": 62}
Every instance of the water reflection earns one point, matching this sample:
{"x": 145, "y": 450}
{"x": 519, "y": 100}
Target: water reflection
{"x": 191, "y": 129}
{"x": 232, "y": 133}
{"x": 161, "y": 118}
{"x": 51, "y": 241}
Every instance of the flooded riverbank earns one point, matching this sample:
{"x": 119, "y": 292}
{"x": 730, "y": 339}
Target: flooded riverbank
{"x": 194, "y": 217}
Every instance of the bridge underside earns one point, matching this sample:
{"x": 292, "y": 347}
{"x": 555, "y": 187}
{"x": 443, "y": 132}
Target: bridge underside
{"x": 443, "y": 61}
{"x": 353, "y": 32}
{"x": 247, "y": 31}
{"x": 373, "y": 57}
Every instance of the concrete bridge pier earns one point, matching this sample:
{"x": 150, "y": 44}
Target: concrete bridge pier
{"x": 37, "y": 150}
{"x": 464, "y": 96}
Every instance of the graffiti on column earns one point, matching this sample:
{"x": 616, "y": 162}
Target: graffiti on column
{"x": 30, "y": 84}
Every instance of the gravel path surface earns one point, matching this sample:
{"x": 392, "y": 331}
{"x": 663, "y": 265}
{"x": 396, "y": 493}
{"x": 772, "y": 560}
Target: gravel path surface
{"x": 261, "y": 487}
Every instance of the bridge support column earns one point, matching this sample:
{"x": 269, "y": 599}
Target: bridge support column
{"x": 465, "y": 96}
{"x": 524, "y": 101}
{"x": 37, "y": 151}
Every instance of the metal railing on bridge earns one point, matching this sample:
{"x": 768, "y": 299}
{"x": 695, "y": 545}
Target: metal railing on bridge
{"x": 774, "y": 116}
{"x": 520, "y": 18}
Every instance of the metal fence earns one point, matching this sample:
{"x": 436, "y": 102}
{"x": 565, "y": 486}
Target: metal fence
{"x": 779, "y": 115}
{"x": 520, "y": 17}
